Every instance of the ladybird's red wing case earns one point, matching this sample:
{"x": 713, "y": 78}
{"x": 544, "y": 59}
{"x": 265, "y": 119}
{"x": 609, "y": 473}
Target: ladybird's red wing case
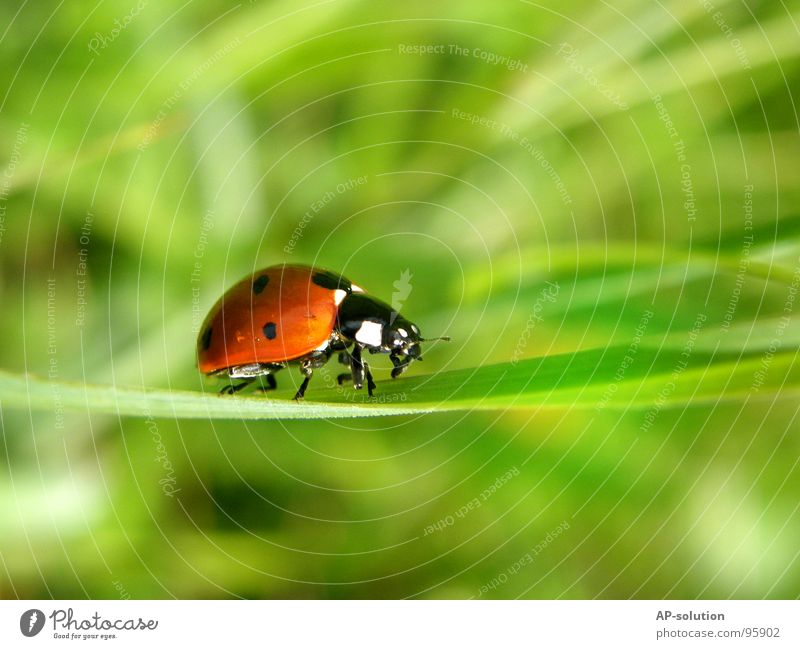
{"x": 277, "y": 314}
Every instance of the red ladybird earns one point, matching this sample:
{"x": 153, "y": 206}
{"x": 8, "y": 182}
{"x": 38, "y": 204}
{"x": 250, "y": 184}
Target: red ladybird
{"x": 300, "y": 314}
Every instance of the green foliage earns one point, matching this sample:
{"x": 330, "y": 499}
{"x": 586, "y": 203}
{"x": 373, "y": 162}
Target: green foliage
{"x": 603, "y": 217}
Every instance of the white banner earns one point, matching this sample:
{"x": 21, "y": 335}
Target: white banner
{"x": 401, "y": 624}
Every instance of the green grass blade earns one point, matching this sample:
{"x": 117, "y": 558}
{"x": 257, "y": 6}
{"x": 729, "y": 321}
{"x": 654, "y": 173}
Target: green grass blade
{"x": 593, "y": 379}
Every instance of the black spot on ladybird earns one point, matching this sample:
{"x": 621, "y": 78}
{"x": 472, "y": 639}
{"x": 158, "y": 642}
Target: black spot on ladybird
{"x": 270, "y": 330}
{"x": 260, "y": 284}
{"x": 207, "y": 338}
{"x": 327, "y": 279}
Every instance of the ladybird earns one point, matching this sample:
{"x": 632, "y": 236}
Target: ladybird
{"x": 301, "y": 315}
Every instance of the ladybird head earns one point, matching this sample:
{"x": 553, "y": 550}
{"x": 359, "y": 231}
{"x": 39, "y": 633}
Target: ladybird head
{"x": 374, "y": 324}
{"x": 402, "y": 338}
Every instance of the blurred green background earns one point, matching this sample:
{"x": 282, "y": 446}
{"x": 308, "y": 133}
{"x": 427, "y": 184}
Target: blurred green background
{"x": 643, "y": 158}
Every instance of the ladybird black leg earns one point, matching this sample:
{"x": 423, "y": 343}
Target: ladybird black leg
{"x": 370, "y": 382}
{"x": 233, "y": 389}
{"x": 345, "y": 359}
{"x": 400, "y": 363}
{"x": 302, "y": 389}
{"x": 357, "y": 368}
{"x": 271, "y": 383}
{"x": 360, "y": 371}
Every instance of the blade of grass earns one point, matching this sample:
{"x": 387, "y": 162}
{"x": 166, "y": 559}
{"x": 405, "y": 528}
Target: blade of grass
{"x": 578, "y": 380}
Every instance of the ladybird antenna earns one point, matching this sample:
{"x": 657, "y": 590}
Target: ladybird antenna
{"x": 445, "y": 338}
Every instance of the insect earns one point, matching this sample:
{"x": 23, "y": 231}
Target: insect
{"x": 302, "y": 315}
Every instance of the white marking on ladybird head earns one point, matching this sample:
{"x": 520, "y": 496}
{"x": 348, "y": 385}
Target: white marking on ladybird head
{"x": 356, "y": 289}
{"x": 402, "y": 332}
{"x": 338, "y": 295}
{"x": 370, "y": 333}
